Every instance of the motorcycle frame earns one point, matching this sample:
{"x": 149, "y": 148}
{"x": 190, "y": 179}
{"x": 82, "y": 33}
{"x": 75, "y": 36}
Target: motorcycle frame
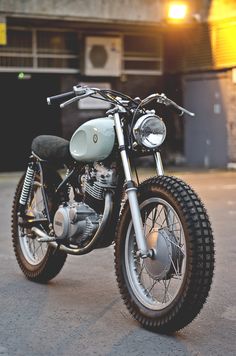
{"x": 108, "y": 216}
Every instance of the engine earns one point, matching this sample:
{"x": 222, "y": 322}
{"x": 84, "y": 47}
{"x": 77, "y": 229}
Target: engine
{"x": 79, "y": 221}
{"x": 95, "y": 181}
{"x": 76, "y": 222}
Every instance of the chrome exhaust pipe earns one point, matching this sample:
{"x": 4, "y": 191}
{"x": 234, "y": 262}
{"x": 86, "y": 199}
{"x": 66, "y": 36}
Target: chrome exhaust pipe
{"x": 108, "y": 208}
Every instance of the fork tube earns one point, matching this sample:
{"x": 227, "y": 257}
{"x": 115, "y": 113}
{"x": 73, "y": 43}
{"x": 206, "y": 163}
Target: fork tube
{"x": 159, "y": 166}
{"x": 131, "y": 191}
{"x": 121, "y": 141}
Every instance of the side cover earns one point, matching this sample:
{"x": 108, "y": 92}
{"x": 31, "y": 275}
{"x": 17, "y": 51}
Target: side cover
{"x": 93, "y": 141}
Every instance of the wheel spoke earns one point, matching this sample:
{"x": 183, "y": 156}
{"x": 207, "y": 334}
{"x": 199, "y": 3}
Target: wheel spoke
{"x": 176, "y": 273}
{"x": 153, "y": 284}
{"x": 157, "y": 217}
{"x": 177, "y": 245}
{"x": 141, "y": 271}
{"x": 166, "y": 292}
{"x": 38, "y": 248}
{"x": 154, "y": 218}
{"x": 170, "y": 217}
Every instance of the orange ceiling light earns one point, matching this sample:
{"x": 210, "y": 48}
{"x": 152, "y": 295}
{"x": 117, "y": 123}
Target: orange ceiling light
{"x": 177, "y": 11}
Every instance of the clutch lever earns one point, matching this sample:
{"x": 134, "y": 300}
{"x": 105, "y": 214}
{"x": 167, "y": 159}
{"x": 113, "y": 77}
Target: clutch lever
{"x": 80, "y": 94}
{"x": 68, "y": 102}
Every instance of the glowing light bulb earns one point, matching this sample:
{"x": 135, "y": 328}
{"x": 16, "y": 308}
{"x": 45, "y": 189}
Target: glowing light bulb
{"x": 177, "y": 11}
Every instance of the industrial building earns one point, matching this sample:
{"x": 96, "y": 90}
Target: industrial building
{"x": 48, "y": 46}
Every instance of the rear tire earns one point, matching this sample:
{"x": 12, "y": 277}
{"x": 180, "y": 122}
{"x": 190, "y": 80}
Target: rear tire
{"x": 167, "y": 293}
{"x": 38, "y": 261}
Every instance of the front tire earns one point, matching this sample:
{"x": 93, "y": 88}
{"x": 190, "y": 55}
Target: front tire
{"x": 38, "y": 261}
{"x": 167, "y": 292}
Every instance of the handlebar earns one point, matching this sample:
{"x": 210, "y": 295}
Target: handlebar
{"x": 80, "y": 92}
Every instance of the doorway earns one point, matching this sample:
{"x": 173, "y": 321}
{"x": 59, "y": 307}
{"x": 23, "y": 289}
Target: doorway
{"x": 206, "y": 134}
{"x": 24, "y": 115}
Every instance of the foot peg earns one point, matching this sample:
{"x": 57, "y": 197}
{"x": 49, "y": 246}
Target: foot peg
{"x": 29, "y": 221}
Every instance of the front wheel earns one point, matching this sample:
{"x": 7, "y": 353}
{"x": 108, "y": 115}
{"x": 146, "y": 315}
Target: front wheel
{"x": 166, "y": 292}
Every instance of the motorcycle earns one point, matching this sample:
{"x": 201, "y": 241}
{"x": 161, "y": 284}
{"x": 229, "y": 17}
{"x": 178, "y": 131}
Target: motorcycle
{"x": 160, "y": 229}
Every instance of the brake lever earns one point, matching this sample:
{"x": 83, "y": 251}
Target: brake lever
{"x": 162, "y": 99}
{"x": 182, "y": 110}
{"x": 80, "y": 94}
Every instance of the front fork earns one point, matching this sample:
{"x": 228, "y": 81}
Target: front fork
{"x": 131, "y": 191}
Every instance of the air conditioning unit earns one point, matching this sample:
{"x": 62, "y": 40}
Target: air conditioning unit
{"x": 103, "y": 56}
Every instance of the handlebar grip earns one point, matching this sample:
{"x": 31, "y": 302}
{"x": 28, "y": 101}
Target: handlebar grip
{"x": 58, "y": 99}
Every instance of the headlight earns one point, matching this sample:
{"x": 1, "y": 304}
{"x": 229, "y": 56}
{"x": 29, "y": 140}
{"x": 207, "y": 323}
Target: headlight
{"x": 149, "y": 131}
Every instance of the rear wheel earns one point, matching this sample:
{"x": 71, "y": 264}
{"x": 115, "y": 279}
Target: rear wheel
{"x": 166, "y": 292}
{"x": 37, "y": 260}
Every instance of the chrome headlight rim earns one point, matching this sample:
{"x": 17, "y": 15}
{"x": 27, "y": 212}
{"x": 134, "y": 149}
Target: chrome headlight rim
{"x": 139, "y": 135}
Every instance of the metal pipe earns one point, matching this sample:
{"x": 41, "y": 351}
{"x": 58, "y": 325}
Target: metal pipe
{"x": 121, "y": 141}
{"x": 159, "y": 166}
{"x": 137, "y": 223}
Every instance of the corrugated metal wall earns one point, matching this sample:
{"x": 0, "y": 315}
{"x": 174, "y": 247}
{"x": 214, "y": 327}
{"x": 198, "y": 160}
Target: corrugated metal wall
{"x": 224, "y": 45}
{"x": 200, "y": 48}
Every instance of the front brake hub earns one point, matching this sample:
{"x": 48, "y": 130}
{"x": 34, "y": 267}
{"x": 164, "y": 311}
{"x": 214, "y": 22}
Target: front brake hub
{"x": 166, "y": 254}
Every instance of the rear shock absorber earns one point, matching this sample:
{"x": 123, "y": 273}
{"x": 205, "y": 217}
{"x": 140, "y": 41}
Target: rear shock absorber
{"x": 28, "y": 181}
